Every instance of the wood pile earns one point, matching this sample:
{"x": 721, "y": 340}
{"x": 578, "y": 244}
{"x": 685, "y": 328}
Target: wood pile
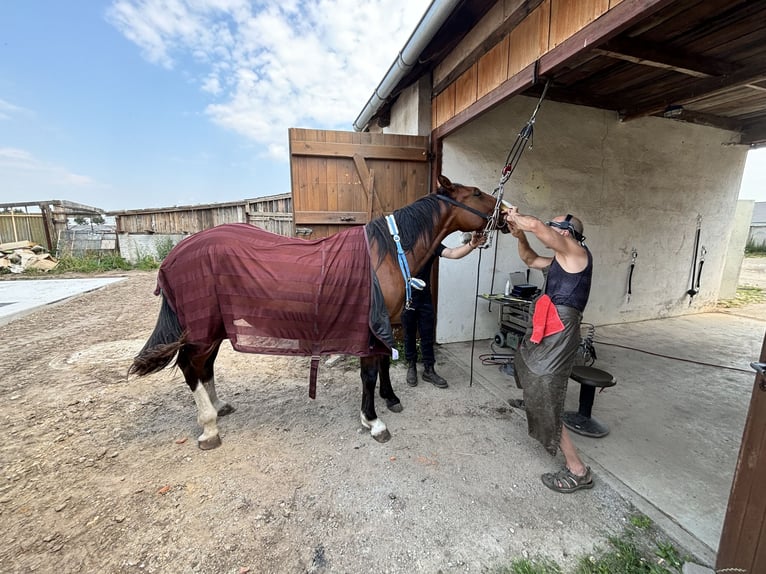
{"x": 19, "y": 256}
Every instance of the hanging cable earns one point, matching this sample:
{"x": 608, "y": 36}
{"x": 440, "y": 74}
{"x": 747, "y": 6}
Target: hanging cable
{"x": 511, "y": 161}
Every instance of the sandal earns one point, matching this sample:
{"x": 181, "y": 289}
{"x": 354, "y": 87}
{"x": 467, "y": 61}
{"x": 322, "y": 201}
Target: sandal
{"x": 566, "y": 481}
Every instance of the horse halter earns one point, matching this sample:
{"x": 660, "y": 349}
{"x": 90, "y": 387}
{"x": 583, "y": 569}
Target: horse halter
{"x": 448, "y": 199}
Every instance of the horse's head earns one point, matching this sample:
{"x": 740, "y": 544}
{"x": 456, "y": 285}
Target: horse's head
{"x": 472, "y": 209}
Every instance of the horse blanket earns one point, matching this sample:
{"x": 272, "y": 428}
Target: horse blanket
{"x": 278, "y": 295}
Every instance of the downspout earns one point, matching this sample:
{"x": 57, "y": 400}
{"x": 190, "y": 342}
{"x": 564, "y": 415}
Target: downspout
{"x": 429, "y": 25}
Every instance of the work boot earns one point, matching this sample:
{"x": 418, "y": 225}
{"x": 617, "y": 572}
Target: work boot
{"x": 430, "y": 375}
{"x": 412, "y": 375}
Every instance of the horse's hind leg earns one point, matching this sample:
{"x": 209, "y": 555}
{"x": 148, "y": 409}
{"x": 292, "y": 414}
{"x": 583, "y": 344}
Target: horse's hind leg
{"x": 386, "y": 390}
{"x": 192, "y": 363}
{"x": 208, "y": 380}
{"x": 370, "y": 420}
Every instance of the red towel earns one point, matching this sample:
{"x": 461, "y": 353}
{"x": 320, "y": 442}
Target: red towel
{"x": 546, "y": 320}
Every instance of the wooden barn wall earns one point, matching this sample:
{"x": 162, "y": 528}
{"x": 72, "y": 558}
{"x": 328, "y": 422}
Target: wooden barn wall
{"x": 340, "y": 179}
{"x": 273, "y": 213}
{"x": 182, "y": 220}
{"x": 22, "y": 227}
{"x": 552, "y": 22}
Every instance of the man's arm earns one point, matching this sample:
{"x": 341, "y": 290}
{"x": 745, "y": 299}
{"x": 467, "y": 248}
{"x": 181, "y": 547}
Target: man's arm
{"x": 528, "y": 255}
{"x": 570, "y": 255}
{"x": 463, "y": 250}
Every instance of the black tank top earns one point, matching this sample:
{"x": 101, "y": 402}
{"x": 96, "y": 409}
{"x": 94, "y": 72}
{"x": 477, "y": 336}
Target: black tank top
{"x": 570, "y": 289}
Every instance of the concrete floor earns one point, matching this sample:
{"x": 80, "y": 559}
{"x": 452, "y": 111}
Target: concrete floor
{"x": 676, "y": 415}
{"x": 18, "y": 297}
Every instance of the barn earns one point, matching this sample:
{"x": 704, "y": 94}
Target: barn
{"x": 647, "y": 109}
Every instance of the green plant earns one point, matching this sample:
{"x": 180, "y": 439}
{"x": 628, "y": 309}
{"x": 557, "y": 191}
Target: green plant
{"x": 163, "y": 246}
{"x": 641, "y": 521}
{"x": 753, "y": 247}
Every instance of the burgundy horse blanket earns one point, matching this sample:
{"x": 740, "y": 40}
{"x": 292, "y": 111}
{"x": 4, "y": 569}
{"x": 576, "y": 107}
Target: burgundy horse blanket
{"x": 278, "y": 295}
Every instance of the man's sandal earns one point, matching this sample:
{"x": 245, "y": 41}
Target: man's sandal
{"x": 566, "y": 481}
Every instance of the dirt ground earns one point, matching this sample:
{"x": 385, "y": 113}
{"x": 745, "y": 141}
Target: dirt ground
{"x": 103, "y": 474}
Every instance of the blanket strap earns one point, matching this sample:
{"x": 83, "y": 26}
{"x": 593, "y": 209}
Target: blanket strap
{"x": 409, "y": 281}
{"x": 313, "y": 376}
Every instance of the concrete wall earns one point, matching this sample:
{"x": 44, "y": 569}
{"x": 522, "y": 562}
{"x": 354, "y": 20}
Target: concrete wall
{"x": 637, "y": 185}
{"x": 411, "y": 113}
{"x": 134, "y": 247}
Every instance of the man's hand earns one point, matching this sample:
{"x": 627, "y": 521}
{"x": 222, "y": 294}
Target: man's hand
{"x": 477, "y": 238}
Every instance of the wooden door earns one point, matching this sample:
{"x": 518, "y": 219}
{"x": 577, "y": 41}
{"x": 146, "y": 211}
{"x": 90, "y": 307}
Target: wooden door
{"x": 743, "y": 540}
{"x": 348, "y": 178}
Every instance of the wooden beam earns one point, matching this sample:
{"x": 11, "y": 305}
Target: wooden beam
{"x": 665, "y": 57}
{"x": 349, "y": 150}
{"x": 515, "y": 85}
{"x": 330, "y": 217}
{"x": 610, "y": 24}
{"x": 702, "y": 119}
{"x": 694, "y": 90}
{"x": 754, "y": 135}
{"x": 488, "y": 43}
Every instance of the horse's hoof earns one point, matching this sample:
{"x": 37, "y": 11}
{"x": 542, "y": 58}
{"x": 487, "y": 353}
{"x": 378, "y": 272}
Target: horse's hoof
{"x": 394, "y": 406}
{"x": 226, "y": 409}
{"x": 210, "y": 443}
{"x": 384, "y": 436}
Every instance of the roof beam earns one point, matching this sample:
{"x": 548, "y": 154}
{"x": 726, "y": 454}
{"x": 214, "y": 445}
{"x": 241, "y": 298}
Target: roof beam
{"x": 702, "y": 119}
{"x": 610, "y": 24}
{"x": 658, "y": 56}
{"x": 695, "y": 90}
{"x": 754, "y": 135}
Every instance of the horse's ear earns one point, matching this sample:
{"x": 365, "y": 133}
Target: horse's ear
{"x": 444, "y": 182}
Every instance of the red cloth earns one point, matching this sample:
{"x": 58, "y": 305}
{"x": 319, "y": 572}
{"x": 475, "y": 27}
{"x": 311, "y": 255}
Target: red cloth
{"x": 272, "y": 294}
{"x": 545, "y": 320}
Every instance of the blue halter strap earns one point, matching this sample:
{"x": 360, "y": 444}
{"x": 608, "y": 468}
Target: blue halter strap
{"x": 409, "y": 281}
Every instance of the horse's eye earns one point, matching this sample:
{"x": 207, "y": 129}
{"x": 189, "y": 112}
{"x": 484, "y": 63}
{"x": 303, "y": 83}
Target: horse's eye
{"x": 477, "y": 193}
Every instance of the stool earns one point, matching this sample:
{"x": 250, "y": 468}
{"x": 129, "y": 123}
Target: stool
{"x": 581, "y": 422}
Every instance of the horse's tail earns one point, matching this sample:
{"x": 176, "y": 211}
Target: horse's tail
{"x": 164, "y": 343}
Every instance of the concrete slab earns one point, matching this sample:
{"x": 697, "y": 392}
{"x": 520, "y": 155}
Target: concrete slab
{"x": 19, "y": 297}
{"x": 676, "y": 415}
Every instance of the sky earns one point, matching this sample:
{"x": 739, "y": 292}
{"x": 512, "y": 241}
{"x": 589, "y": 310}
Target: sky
{"x": 131, "y": 104}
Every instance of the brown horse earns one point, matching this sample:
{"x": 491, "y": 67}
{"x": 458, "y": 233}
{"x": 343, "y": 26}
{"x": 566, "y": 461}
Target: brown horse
{"x": 276, "y": 295}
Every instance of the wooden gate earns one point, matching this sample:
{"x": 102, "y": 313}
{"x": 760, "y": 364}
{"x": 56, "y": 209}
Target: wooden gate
{"x": 347, "y": 178}
{"x": 743, "y": 540}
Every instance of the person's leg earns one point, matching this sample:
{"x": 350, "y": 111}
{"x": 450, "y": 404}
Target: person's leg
{"x": 410, "y": 328}
{"x": 427, "y": 328}
{"x": 575, "y": 475}
{"x": 573, "y": 461}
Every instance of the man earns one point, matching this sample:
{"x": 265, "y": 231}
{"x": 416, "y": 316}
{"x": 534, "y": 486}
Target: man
{"x": 544, "y": 361}
{"x": 420, "y": 318}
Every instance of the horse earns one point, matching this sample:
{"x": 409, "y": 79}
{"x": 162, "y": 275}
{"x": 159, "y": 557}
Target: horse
{"x": 271, "y": 294}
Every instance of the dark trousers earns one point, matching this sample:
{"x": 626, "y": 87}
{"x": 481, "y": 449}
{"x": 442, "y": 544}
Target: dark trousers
{"x": 420, "y": 319}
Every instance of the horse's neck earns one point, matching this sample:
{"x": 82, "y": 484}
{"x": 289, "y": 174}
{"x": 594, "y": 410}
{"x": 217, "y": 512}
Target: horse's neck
{"x": 422, "y": 251}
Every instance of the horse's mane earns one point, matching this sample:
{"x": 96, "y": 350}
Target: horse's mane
{"x": 416, "y": 222}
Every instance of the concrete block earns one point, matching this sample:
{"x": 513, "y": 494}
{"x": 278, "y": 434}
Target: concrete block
{"x": 691, "y": 568}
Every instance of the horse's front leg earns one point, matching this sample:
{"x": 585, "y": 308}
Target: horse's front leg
{"x": 370, "y": 420}
{"x": 386, "y": 390}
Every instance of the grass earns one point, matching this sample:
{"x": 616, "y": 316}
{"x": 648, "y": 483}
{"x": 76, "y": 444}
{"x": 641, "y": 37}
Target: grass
{"x": 638, "y": 550}
{"x": 94, "y": 263}
{"x": 745, "y": 295}
{"x": 755, "y": 249}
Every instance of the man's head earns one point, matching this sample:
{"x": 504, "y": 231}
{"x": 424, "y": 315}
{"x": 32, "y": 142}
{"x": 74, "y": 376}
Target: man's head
{"x": 568, "y": 225}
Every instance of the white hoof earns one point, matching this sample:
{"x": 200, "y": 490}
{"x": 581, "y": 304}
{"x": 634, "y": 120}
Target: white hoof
{"x": 377, "y": 428}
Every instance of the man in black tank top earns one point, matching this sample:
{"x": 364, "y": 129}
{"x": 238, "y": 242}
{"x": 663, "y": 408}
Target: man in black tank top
{"x": 545, "y": 357}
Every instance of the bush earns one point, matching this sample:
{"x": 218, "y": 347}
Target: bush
{"x": 753, "y": 247}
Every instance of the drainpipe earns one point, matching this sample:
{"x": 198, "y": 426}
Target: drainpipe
{"x": 429, "y": 25}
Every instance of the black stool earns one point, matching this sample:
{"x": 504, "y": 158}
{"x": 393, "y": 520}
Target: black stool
{"x": 581, "y": 422}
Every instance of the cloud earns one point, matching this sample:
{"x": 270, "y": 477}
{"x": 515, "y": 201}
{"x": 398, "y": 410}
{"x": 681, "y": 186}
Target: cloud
{"x": 25, "y": 172}
{"x": 274, "y": 65}
{"x": 8, "y": 110}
